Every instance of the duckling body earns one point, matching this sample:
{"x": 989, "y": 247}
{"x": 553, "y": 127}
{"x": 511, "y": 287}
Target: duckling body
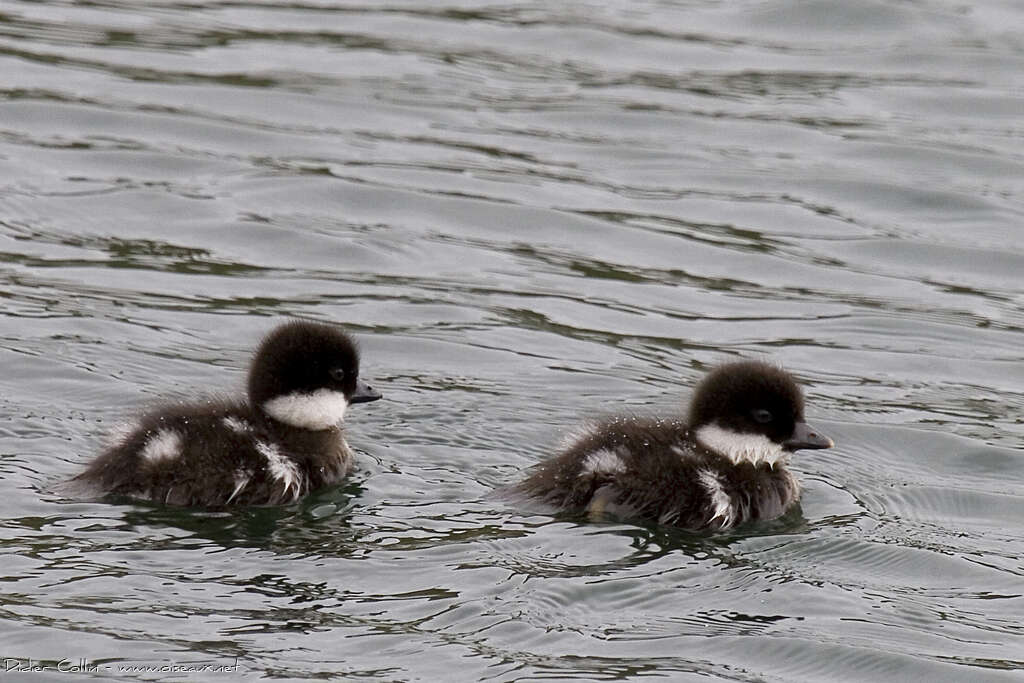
{"x": 285, "y": 441}
{"x": 722, "y": 466}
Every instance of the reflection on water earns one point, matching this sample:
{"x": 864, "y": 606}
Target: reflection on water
{"x": 527, "y": 214}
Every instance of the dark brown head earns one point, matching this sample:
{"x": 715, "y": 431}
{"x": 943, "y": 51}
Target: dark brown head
{"x": 751, "y": 399}
{"x": 306, "y": 374}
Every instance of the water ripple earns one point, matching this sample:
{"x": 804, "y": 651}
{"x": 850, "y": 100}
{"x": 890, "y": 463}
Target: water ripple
{"x": 528, "y": 214}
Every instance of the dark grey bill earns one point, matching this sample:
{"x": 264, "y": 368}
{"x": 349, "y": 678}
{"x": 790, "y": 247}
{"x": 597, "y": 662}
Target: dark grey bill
{"x": 364, "y": 393}
{"x": 805, "y": 437}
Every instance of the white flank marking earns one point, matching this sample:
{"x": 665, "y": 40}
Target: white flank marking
{"x": 584, "y": 431}
{"x": 118, "y": 433}
{"x": 237, "y": 424}
{"x": 669, "y": 517}
{"x": 282, "y": 469}
{"x": 242, "y": 478}
{"x": 164, "y": 445}
{"x": 740, "y": 448}
{"x": 719, "y": 498}
{"x": 321, "y": 409}
{"x": 603, "y": 462}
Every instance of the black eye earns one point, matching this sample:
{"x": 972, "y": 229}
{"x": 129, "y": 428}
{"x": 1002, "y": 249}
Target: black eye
{"x": 337, "y": 374}
{"x": 761, "y": 415}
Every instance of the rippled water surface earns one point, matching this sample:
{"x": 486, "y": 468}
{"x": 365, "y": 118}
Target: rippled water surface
{"x": 528, "y": 213}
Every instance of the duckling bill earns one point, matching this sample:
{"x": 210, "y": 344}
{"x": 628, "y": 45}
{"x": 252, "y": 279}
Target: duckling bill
{"x": 281, "y": 443}
{"x": 725, "y": 464}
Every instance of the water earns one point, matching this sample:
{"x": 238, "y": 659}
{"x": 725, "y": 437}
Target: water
{"x": 528, "y": 213}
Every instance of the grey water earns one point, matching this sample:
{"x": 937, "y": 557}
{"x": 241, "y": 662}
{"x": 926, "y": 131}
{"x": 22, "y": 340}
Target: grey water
{"x": 529, "y": 213}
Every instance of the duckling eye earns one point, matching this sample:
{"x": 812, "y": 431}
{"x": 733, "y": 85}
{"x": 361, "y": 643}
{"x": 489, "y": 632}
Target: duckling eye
{"x": 761, "y": 416}
{"x": 337, "y": 374}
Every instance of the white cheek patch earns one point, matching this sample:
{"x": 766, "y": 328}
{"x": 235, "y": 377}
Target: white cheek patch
{"x": 281, "y": 468}
{"x": 321, "y": 409}
{"x": 721, "y": 504}
{"x": 603, "y": 462}
{"x": 739, "y": 448}
{"x": 162, "y": 446}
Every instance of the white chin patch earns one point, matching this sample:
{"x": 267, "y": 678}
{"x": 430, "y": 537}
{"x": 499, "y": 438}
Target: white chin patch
{"x": 756, "y": 449}
{"x": 321, "y": 409}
